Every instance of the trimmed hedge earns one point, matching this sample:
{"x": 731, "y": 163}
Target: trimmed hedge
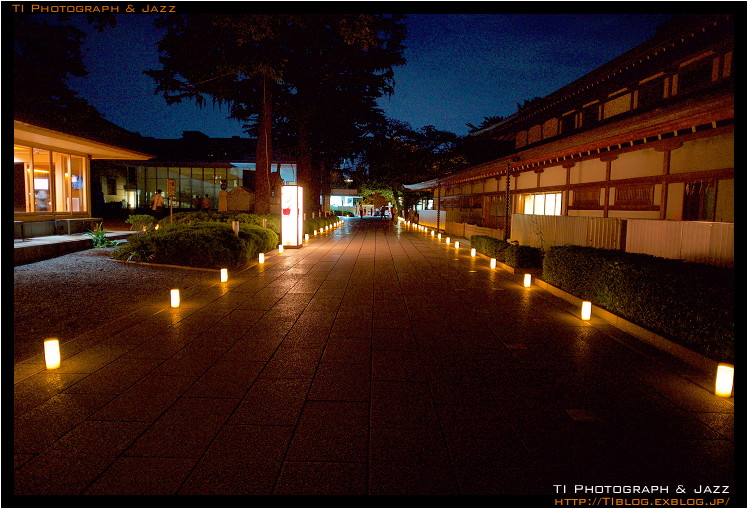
{"x": 525, "y": 257}
{"x": 199, "y": 216}
{"x": 317, "y": 223}
{"x": 689, "y": 303}
{"x": 208, "y": 245}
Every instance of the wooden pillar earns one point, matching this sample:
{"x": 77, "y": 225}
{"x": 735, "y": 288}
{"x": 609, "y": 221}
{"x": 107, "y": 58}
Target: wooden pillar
{"x": 438, "y": 207}
{"x": 608, "y": 160}
{"x": 565, "y": 201}
{"x": 507, "y": 211}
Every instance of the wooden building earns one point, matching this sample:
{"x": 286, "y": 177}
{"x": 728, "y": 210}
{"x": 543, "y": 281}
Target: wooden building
{"x": 648, "y": 136}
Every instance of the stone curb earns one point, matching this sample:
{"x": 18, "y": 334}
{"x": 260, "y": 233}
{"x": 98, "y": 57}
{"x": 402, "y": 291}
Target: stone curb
{"x": 695, "y": 359}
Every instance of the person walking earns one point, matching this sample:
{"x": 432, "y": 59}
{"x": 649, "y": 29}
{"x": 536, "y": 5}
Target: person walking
{"x": 157, "y": 205}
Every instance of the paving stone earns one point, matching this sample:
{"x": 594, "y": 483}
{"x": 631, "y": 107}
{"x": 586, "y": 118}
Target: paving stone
{"x": 366, "y": 363}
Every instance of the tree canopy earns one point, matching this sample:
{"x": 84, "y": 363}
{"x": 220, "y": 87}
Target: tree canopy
{"x": 317, "y": 76}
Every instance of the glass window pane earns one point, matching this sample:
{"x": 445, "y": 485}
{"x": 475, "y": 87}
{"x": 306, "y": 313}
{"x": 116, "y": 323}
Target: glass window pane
{"x": 42, "y": 181}
{"x": 22, "y": 195}
{"x": 529, "y": 204}
{"x": 77, "y": 184}
{"x": 550, "y": 204}
{"x": 539, "y": 204}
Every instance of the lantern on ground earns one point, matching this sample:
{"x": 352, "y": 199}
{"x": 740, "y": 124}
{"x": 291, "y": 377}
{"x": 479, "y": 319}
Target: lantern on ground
{"x": 224, "y": 275}
{"x": 262, "y": 257}
{"x": 175, "y": 298}
{"x": 493, "y": 263}
{"x": 292, "y": 216}
{"x": 724, "y": 382}
{"x": 586, "y": 310}
{"x": 528, "y": 280}
{"x": 280, "y": 248}
{"x": 52, "y": 353}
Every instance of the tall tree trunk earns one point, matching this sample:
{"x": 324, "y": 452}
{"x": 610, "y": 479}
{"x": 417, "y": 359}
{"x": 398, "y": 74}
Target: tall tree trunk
{"x": 324, "y": 182}
{"x": 304, "y": 170}
{"x": 264, "y": 154}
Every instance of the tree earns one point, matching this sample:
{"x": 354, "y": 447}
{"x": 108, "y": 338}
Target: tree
{"x": 233, "y": 60}
{"x": 399, "y": 155}
{"x": 296, "y": 68}
{"x": 51, "y": 44}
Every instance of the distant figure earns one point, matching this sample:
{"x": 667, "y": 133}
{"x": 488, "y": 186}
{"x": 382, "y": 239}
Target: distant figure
{"x": 158, "y": 204}
{"x": 206, "y": 205}
{"x": 197, "y": 202}
{"x": 361, "y": 210}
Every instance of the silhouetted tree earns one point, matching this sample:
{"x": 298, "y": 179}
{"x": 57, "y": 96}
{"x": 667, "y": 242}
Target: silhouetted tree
{"x": 299, "y": 68}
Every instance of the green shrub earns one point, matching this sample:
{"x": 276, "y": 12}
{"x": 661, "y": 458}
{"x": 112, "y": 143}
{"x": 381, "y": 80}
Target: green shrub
{"x": 200, "y": 216}
{"x": 692, "y": 304}
{"x": 261, "y": 239}
{"x": 318, "y": 223}
{"x": 140, "y": 221}
{"x": 490, "y": 246}
{"x": 207, "y": 244}
{"x": 526, "y": 257}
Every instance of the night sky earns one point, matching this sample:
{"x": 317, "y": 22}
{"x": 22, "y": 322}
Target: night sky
{"x": 460, "y": 68}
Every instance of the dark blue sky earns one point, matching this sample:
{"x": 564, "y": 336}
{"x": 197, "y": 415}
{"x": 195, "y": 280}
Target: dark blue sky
{"x": 461, "y": 68}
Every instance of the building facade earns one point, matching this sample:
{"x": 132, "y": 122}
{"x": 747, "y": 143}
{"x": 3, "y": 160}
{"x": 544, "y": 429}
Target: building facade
{"x": 198, "y": 165}
{"x": 648, "y": 136}
{"x": 52, "y": 176}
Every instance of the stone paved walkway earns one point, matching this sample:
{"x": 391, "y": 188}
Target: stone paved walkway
{"x": 375, "y": 360}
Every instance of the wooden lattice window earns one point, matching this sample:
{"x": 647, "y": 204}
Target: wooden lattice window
{"x": 587, "y": 198}
{"x": 635, "y": 197}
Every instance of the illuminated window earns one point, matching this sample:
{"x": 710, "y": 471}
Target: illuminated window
{"x": 545, "y": 204}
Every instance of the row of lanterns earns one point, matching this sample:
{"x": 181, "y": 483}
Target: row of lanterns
{"x": 52, "y": 357}
{"x": 725, "y": 372}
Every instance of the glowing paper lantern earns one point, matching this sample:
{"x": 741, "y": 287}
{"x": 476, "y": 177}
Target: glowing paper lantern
{"x": 280, "y": 248}
{"x": 448, "y": 240}
{"x": 528, "y": 280}
{"x": 586, "y": 310}
{"x": 457, "y": 244}
{"x": 262, "y": 257}
{"x": 224, "y": 275}
{"x": 724, "y": 382}
{"x": 175, "y": 298}
{"x": 472, "y": 252}
{"x": 432, "y": 233}
{"x": 439, "y": 236}
{"x": 306, "y": 236}
{"x": 52, "y": 353}
{"x": 493, "y": 263}
{"x": 292, "y": 215}
{"x": 315, "y": 232}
